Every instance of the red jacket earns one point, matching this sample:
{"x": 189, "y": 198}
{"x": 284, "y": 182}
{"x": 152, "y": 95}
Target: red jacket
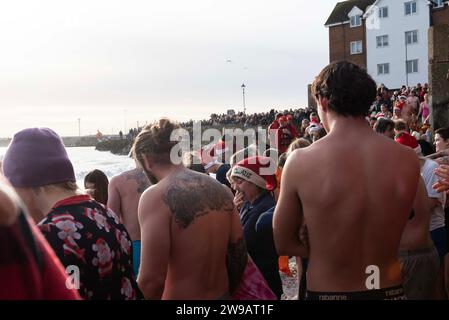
{"x": 29, "y": 269}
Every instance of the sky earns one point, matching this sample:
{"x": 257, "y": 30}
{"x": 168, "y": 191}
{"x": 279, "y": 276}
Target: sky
{"x": 107, "y": 65}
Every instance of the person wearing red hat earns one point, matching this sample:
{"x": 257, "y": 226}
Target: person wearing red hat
{"x": 249, "y": 178}
{"x": 333, "y": 189}
{"x": 291, "y": 126}
{"x": 285, "y": 136}
{"x": 275, "y": 124}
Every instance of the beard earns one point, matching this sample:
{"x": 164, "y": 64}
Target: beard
{"x": 151, "y": 177}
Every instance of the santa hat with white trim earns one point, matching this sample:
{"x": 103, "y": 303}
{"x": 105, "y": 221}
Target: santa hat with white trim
{"x": 251, "y": 169}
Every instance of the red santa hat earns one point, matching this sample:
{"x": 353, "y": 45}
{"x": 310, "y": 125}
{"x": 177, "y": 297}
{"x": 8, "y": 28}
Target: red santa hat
{"x": 408, "y": 140}
{"x": 252, "y": 170}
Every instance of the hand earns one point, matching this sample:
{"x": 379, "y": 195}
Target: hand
{"x": 442, "y": 160}
{"x": 239, "y": 200}
{"x": 443, "y": 183}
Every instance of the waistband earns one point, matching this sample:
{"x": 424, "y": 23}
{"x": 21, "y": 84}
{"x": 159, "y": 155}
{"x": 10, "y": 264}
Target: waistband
{"x": 417, "y": 252}
{"x": 393, "y": 293}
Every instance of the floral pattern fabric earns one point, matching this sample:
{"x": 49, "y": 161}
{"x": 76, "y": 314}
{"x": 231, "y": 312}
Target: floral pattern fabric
{"x": 85, "y": 234}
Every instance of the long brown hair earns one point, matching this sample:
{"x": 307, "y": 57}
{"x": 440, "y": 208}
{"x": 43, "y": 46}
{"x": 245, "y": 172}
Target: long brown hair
{"x": 101, "y": 183}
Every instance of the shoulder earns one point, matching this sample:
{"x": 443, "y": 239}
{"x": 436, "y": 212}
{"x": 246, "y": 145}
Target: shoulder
{"x": 116, "y": 180}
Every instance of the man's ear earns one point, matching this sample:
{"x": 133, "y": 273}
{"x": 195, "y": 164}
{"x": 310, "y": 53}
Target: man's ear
{"x": 146, "y": 162}
{"x": 324, "y": 103}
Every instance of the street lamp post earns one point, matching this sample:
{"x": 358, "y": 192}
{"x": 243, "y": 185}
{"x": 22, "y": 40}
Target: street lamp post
{"x": 406, "y": 59}
{"x": 79, "y": 127}
{"x": 244, "y": 105}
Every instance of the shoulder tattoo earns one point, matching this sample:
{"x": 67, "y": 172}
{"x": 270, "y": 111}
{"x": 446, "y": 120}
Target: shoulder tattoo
{"x": 139, "y": 176}
{"x": 190, "y": 195}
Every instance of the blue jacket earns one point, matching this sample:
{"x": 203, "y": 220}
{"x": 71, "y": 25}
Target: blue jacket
{"x": 260, "y": 241}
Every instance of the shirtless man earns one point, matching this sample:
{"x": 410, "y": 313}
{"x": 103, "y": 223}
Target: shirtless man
{"x": 407, "y": 111}
{"x": 124, "y": 192}
{"x": 353, "y": 231}
{"x": 192, "y": 239}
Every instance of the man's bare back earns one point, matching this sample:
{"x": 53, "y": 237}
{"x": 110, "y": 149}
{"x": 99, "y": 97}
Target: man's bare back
{"x": 190, "y": 232}
{"x": 353, "y": 190}
{"x": 124, "y": 192}
{"x": 354, "y": 206}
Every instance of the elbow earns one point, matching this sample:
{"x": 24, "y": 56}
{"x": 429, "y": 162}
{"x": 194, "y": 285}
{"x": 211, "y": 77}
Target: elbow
{"x": 281, "y": 246}
{"x": 150, "y": 289}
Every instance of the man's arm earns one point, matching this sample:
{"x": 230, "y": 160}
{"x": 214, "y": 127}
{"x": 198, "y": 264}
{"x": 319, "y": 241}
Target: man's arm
{"x": 237, "y": 255}
{"x": 440, "y": 154}
{"x": 288, "y": 216}
{"x": 155, "y": 230}
{"x": 114, "y": 200}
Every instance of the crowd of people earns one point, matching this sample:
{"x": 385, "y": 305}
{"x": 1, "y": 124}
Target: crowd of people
{"x": 354, "y": 190}
{"x": 251, "y": 120}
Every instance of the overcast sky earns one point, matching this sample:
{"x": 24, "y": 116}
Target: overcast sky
{"x": 112, "y": 63}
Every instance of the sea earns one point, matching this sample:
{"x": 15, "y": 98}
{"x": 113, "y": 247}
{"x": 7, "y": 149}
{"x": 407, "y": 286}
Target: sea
{"x": 86, "y": 159}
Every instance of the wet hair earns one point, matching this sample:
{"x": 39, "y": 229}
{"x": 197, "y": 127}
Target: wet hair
{"x": 382, "y": 125}
{"x": 348, "y": 88}
{"x": 101, "y": 183}
{"x": 400, "y": 125}
{"x": 154, "y": 141}
{"x": 443, "y": 132}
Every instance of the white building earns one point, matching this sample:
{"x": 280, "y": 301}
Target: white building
{"x": 397, "y": 42}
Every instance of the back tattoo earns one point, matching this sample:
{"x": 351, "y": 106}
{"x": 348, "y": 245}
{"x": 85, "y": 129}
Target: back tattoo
{"x": 192, "y": 195}
{"x": 139, "y": 176}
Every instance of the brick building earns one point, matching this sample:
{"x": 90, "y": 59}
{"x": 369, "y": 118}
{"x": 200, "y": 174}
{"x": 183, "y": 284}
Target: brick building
{"x": 347, "y": 32}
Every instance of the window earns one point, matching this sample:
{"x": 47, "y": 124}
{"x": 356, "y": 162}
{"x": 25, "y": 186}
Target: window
{"x": 412, "y": 66}
{"x": 411, "y": 37}
{"x": 383, "y": 12}
{"x": 356, "y": 21}
{"x": 383, "y": 68}
{"x": 382, "y": 41}
{"x": 410, "y": 8}
{"x": 439, "y": 3}
{"x": 356, "y": 47}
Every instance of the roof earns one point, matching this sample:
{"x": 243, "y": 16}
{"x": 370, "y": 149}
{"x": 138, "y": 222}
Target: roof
{"x": 342, "y": 9}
